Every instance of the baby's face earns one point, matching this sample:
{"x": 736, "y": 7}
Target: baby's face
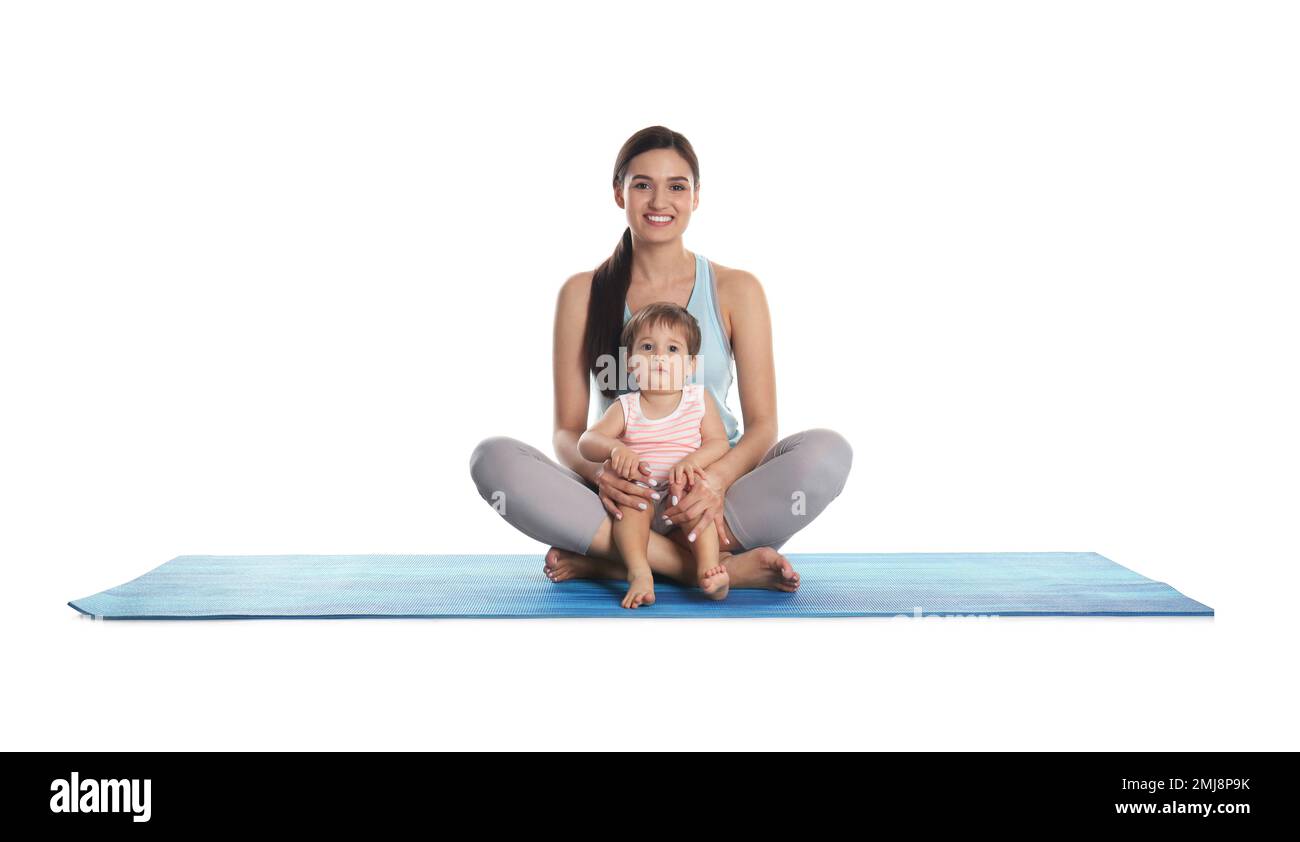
{"x": 659, "y": 359}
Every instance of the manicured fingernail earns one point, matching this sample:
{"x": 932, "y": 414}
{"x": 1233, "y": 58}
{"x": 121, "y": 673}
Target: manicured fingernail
{"x": 674, "y": 499}
{"x": 690, "y": 537}
{"x": 667, "y": 518}
{"x": 653, "y": 482}
{"x": 640, "y": 505}
{"x": 655, "y": 495}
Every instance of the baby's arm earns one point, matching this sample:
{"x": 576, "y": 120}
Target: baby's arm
{"x": 601, "y": 442}
{"x": 596, "y": 444}
{"x": 713, "y": 443}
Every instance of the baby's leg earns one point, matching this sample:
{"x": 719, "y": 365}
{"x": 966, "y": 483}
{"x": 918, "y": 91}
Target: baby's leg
{"x": 713, "y": 577}
{"x": 631, "y": 536}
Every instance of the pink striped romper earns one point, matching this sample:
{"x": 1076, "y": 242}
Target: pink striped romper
{"x": 663, "y": 442}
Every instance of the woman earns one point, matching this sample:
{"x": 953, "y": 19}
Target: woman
{"x": 758, "y": 495}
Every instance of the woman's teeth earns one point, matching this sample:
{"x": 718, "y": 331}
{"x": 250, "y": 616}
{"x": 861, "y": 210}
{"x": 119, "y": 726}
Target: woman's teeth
{"x": 659, "y": 220}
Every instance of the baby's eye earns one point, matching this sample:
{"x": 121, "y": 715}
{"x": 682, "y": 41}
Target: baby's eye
{"x": 672, "y": 348}
{"x": 645, "y": 346}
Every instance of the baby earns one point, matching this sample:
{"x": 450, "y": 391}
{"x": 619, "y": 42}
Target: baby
{"x": 672, "y": 427}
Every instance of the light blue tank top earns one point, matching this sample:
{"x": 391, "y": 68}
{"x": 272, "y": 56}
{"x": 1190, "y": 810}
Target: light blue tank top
{"x": 715, "y": 368}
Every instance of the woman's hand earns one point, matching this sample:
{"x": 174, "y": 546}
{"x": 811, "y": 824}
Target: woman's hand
{"x": 702, "y": 500}
{"x": 614, "y": 490}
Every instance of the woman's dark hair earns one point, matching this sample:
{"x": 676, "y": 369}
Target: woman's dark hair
{"x": 610, "y": 282}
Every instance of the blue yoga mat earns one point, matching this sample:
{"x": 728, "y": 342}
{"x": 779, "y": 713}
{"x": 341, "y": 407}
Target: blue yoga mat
{"x": 211, "y": 587}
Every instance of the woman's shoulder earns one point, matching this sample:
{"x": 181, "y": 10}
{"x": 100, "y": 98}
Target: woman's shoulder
{"x": 737, "y": 291}
{"x": 571, "y": 303}
{"x": 582, "y": 279}
{"x": 731, "y": 280}
{"x": 577, "y": 287}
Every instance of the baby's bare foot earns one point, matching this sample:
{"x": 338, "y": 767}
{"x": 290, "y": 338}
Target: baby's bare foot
{"x": 640, "y": 591}
{"x": 563, "y": 564}
{"x": 763, "y": 567}
{"x": 715, "y": 582}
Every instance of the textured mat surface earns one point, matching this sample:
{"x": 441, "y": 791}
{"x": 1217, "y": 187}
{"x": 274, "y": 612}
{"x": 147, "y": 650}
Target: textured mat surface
{"x": 831, "y": 585}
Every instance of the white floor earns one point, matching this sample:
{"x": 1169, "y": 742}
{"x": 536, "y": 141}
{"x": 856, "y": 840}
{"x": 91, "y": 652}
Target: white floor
{"x": 931, "y": 683}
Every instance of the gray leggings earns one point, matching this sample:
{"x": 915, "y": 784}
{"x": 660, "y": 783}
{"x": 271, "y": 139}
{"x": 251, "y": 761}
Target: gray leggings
{"x": 796, "y": 479}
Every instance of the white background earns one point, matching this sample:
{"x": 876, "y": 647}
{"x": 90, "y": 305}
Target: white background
{"x": 271, "y": 270}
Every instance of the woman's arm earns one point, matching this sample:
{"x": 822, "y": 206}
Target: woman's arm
{"x": 572, "y": 391}
{"x": 751, "y": 343}
{"x": 572, "y": 395}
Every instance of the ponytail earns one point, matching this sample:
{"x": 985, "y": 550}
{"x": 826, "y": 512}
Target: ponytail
{"x": 605, "y": 312}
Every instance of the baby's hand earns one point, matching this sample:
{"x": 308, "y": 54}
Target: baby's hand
{"x": 625, "y": 461}
{"x": 683, "y": 473}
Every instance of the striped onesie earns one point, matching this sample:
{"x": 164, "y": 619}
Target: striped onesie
{"x": 663, "y": 442}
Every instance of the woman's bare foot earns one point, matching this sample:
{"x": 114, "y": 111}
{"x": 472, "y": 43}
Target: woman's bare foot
{"x": 563, "y": 564}
{"x": 715, "y": 582}
{"x": 762, "y": 567}
{"x": 640, "y": 590}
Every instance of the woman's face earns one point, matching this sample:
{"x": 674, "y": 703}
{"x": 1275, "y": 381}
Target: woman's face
{"x": 659, "y": 359}
{"x": 658, "y": 183}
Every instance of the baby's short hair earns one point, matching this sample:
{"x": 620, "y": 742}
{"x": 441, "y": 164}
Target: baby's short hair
{"x": 664, "y": 312}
